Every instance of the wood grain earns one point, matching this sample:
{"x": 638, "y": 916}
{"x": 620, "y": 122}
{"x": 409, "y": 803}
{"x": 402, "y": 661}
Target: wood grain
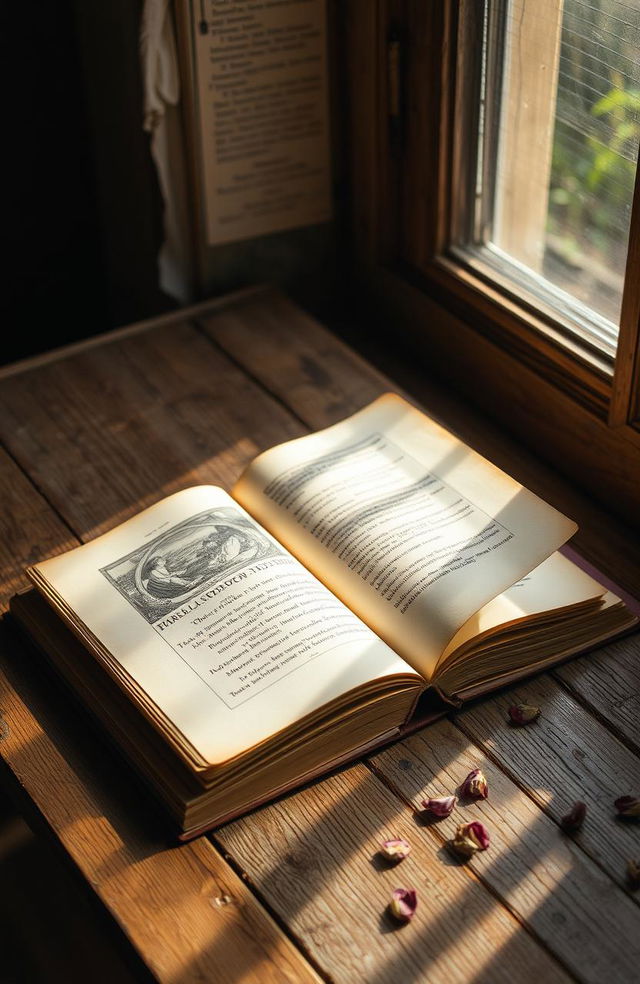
{"x": 314, "y": 856}
{"x": 565, "y": 756}
{"x": 625, "y": 398}
{"x": 183, "y": 909}
{"x": 294, "y": 357}
{"x": 114, "y": 429}
{"x": 109, "y": 430}
{"x": 608, "y": 681}
{"x": 29, "y": 529}
{"x": 49, "y": 929}
{"x": 542, "y": 876}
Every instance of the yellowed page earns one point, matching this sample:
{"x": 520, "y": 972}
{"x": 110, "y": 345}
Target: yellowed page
{"x": 227, "y": 633}
{"x": 262, "y": 123}
{"x": 410, "y": 527}
{"x": 554, "y": 585}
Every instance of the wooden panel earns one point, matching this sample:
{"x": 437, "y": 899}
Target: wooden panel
{"x": 542, "y": 875}
{"x": 566, "y": 756}
{"x": 316, "y": 375}
{"x": 625, "y": 398}
{"x": 116, "y": 428}
{"x": 361, "y": 108}
{"x": 314, "y": 856}
{"x": 608, "y": 681}
{"x": 29, "y": 529}
{"x": 560, "y": 390}
{"x": 49, "y": 932}
{"x": 183, "y": 909}
{"x": 133, "y": 419}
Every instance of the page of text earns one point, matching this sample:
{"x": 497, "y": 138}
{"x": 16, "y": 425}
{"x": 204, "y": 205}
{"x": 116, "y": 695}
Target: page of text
{"x": 414, "y": 530}
{"x": 226, "y": 632}
{"x": 262, "y": 114}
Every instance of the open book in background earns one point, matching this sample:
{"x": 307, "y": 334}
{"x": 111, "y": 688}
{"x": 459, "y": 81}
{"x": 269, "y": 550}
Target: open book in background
{"x": 237, "y": 645}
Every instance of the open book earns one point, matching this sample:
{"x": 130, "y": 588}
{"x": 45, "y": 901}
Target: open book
{"x": 237, "y": 645}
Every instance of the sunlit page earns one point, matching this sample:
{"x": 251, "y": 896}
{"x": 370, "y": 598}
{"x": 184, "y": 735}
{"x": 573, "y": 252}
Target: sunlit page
{"x": 227, "y": 633}
{"x": 555, "y": 585}
{"x": 413, "y": 529}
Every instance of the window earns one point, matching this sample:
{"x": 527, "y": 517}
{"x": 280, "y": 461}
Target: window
{"x": 494, "y": 185}
{"x": 552, "y": 155}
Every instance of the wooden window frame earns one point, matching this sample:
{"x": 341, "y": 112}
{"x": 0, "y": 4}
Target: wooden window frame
{"x": 405, "y": 92}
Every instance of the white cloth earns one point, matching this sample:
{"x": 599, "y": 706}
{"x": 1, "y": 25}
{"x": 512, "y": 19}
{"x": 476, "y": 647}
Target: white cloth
{"x": 161, "y": 94}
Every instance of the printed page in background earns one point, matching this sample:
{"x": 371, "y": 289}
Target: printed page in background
{"x": 226, "y": 632}
{"x": 410, "y": 527}
{"x": 262, "y": 115}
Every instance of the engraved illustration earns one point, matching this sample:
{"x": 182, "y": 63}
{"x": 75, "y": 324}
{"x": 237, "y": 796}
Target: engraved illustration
{"x": 183, "y": 561}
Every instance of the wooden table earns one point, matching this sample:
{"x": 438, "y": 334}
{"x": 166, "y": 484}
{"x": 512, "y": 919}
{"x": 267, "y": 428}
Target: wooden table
{"x": 293, "y": 892}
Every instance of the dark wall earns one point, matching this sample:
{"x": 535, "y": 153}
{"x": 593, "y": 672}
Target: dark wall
{"x": 82, "y": 214}
{"x": 52, "y": 268}
{"x": 84, "y": 218}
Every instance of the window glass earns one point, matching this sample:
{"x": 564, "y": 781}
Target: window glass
{"x": 556, "y": 149}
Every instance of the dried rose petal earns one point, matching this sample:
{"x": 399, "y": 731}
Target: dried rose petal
{"x": 404, "y": 903}
{"x": 470, "y": 837}
{"x": 633, "y": 873}
{"x": 574, "y": 819}
{"x": 395, "y": 850}
{"x": 523, "y": 713}
{"x": 628, "y": 807}
{"x": 475, "y": 785}
{"x": 479, "y": 833}
{"x": 441, "y": 806}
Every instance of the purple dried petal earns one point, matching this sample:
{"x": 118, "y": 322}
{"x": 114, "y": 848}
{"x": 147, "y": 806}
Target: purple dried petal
{"x": 574, "y": 819}
{"x": 628, "y": 807}
{"x": 479, "y": 833}
{"x": 404, "y": 903}
{"x": 523, "y": 713}
{"x": 440, "y": 806}
{"x": 470, "y": 837}
{"x": 475, "y": 785}
{"x": 395, "y": 850}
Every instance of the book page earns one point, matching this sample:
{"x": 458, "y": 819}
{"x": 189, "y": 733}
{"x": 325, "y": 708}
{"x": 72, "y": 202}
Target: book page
{"x": 554, "y": 586}
{"x": 212, "y": 619}
{"x": 409, "y": 526}
{"x": 262, "y": 115}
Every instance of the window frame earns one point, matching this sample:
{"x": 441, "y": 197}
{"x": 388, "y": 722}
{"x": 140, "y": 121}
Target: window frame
{"x": 495, "y": 347}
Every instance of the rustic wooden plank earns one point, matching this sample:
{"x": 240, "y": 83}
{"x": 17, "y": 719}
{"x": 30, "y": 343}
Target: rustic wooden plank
{"x": 76, "y": 788}
{"x": 543, "y": 876}
{"x": 182, "y": 909}
{"x": 168, "y": 410}
{"x": 29, "y": 529}
{"x": 565, "y": 756}
{"x": 314, "y": 855}
{"x": 609, "y": 682}
{"x": 112, "y": 430}
{"x": 309, "y": 369}
{"x": 49, "y": 931}
{"x": 118, "y": 334}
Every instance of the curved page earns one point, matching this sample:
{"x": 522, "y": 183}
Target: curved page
{"x": 411, "y": 528}
{"x": 211, "y": 618}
